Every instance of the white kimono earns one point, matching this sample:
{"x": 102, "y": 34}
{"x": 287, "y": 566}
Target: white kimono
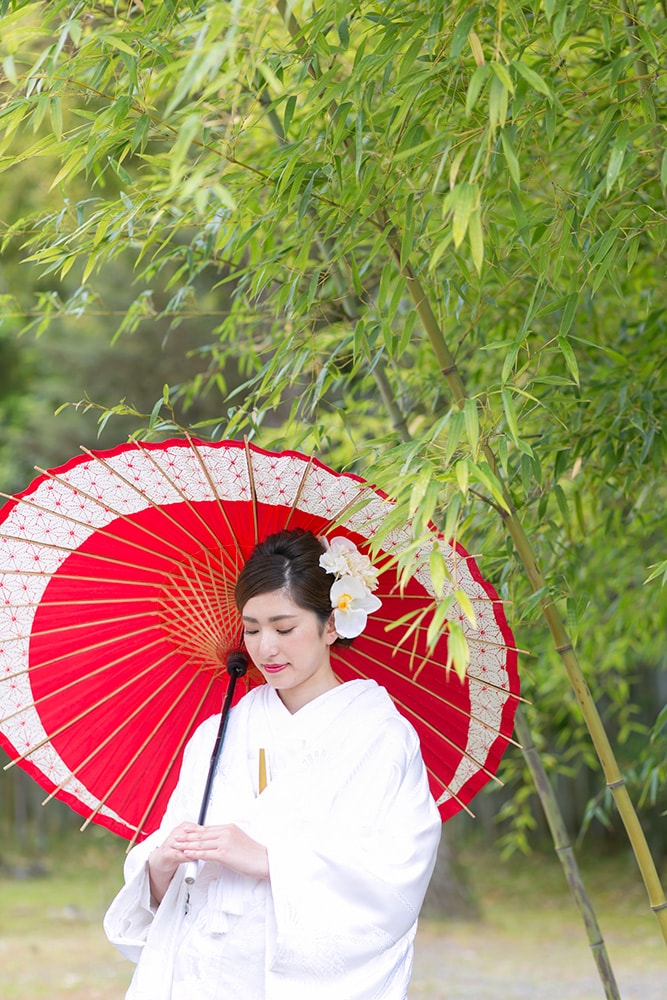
{"x": 351, "y": 832}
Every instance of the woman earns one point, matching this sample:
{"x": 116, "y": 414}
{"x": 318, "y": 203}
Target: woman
{"x": 310, "y": 880}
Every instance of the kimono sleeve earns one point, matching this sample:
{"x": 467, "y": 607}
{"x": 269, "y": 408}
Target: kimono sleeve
{"x": 131, "y": 914}
{"x": 348, "y": 883}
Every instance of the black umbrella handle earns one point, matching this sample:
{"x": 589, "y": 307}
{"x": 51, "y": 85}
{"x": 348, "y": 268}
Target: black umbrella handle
{"x": 237, "y": 664}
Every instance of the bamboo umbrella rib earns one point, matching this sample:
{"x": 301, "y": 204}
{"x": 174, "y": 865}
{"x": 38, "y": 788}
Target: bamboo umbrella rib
{"x": 83, "y": 552}
{"x": 184, "y": 592}
{"x": 220, "y": 505}
{"x": 210, "y": 597}
{"x": 78, "y": 680}
{"x": 92, "y": 647}
{"x": 108, "y": 531}
{"x": 145, "y": 743}
{"x": 426, "y": 660}
{"x": 74, "y": 626}
{"x": 443, "y": 700}
{"x": 253, "y": 488}
{"x": 204, "y": 637}
{"x": 410, "y": 713}
{"x": 113, "y": 560}
{"x": 122, "y": 516}
{"x": 63, "y": 575}
{"x": 450, "y": 704}
{"x": 222, "y": 613}
{"x": 299, "y": 491}
{"x": 233, "y": 562}
{"x": 83, "y": 602}
{"x": 449, "y": 791}
{"x": 108, "y": 696}
{"x": 119, "y": 728}
{"x": 337, "y": 520}
{"x": 186, "y": 733}
{"x": 156, "y": 506}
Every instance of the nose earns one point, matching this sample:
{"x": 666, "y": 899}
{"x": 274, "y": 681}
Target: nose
{"x": 268, "y": 645}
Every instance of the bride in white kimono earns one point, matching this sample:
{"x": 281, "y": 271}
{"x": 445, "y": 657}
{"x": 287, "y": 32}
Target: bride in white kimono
{"x": 308, "y": 888}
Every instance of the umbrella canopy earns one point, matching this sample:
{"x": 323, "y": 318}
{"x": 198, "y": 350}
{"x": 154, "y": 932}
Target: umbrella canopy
{"x": 117, "y": 575}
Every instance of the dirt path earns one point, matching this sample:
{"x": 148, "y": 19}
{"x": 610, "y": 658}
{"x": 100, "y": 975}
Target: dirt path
{"x": 483, "y": 962}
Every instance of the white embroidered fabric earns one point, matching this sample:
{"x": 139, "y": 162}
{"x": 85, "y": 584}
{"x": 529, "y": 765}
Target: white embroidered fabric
{"x": 351, "y": 831}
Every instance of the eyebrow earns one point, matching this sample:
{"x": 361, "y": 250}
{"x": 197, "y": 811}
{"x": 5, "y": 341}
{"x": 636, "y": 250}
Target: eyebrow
{"x": 274, "y": 618}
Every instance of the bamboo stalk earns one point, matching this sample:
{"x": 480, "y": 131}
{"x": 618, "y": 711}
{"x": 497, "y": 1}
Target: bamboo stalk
{"x": 562, "y": 642}
{"x": 566, "y": 855}
{"x": 451, "y": 374}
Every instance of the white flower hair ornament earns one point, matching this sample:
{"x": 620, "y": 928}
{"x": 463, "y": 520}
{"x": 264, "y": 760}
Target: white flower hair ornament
{"x": 356, "y": 577}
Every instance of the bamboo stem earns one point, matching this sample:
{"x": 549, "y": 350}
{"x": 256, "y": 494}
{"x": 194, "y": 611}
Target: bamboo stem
{"x": 562, "y": 642}
{"x": 566, "y": 855}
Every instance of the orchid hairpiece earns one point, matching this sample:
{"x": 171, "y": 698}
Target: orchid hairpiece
{"x": 356, "y": 577}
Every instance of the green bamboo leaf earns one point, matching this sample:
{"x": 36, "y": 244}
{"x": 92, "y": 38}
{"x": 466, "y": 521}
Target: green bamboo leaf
{"x": 438, "y": 570}
{"x": 489, "y": 479}
{"x": 455, "y": 430}
{"x": 141, "y": 131}
{"x": 510, "y": 359}
{"x": 471, "y": 416}
{"x": 477, "y": 81}
{"x": 510, "y": 414}
{"x": 344, "y": 33}
{"x": 358, "y": 142}
{"x": 502, "y": 73}
{"x": 290, "y": 105}
{"x": 458, "y": 651}
{"x": 649, "y": 42}
{"x": 461, "y": 32}
{"x": 568, "y": 314}
{"x": 498, "y": 100}
{"x": 56, "y": 116}
{"x": 466, "y": 606}
{"x": 9, "y": 69}
{"x": 617, "y": 156}
{"x": 439, "y": 250}
{"x": 463, "y": 199}
{"x": 419, "y": 488}
{"x": 570, "y": 358}
{"x": 462, "y": 471}
{"x": 510, "y": 156}
{"x": 438, "y": 621}
{"x": 476, "y": 237}
{"x": 116, "y": 42}
{"x": 663, "y": 170}
{"x": 534, "y": 79}
{"x": 561, "y": 499}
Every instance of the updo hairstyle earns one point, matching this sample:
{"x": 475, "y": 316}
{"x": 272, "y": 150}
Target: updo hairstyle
{"x": 288, "y": 560}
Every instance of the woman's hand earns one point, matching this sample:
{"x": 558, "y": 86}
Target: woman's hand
{"x": 226, "y": 844}
{"x": 165, "y": 859}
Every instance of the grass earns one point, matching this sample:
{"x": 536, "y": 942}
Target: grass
{"x": 528, "y": 945}
{"x": 51, "y": 940}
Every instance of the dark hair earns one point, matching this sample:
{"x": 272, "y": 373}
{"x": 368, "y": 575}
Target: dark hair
{"x": 288, "y": 560}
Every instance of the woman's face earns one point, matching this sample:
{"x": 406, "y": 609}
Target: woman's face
{"x": 289, "y": 646}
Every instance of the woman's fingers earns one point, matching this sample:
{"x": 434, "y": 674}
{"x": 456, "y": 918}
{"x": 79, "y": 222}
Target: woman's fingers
{"x": 226, "y": 844}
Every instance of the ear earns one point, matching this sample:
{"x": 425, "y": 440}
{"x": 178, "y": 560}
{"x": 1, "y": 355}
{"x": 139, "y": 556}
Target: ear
{"x": 330, "y": 633}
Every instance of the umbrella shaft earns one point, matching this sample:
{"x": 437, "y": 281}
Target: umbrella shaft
{"x": 217, "y": 748}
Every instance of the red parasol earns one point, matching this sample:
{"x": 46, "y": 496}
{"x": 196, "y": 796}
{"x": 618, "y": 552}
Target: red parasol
{"x": 117, "y": 573}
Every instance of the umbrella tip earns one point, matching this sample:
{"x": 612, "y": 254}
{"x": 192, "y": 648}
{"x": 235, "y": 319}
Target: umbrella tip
{"x": 237, "y": 663}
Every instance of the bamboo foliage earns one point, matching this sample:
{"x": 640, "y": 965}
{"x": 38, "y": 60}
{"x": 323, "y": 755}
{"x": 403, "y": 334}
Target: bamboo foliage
{"x": 451, "y": 213}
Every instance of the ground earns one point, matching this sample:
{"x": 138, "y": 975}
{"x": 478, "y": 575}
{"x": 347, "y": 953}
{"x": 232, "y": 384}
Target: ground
{"x": 528, "y": 945}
